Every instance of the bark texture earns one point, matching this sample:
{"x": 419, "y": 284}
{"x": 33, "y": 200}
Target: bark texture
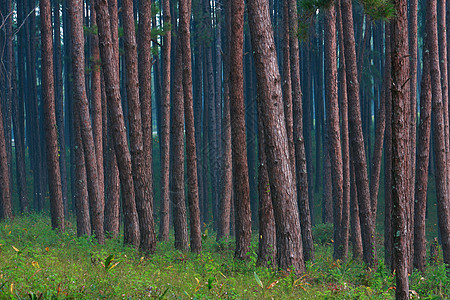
{"x": 284, "y": 197}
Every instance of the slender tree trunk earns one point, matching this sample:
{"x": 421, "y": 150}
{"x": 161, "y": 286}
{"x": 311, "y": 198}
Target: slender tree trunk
{"x": 80, "y": 191}
{"x": 238, "y": 140}
{"x": 439, "y": 134}
{"x": 388, "y": 154}
{"x": 227, "y": 175}
{"x": 400, "y": 148}
{"x": 334, "y": 138}
{"x": 300, "y": 155}
{"x": 141, "y": 178}
{"x": 177, "y": 155}
{"x": 412, "y": 29}
{"x": 81, "y": 104}
{"x": 194, "y": 209}
{"x": 51, "y": 135}
{"x": 59, "y": 103}
{"x": 284, "y": 197}
{"x": 344, "y": 137}
{"x": 357, "y": 139}
{"x": 110, "y": 68}
{"x": 423, "y": 156}
{"x": 96, "y": 108}
{"x": 165, "y": 126}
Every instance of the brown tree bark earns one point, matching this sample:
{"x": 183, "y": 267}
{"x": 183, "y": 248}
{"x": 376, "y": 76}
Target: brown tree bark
{"x": 412, "y": 29}
{"x": 238, "y": 135}
{"x": 284, "y": 197}
{"x": 141, "y": 179}
{"x": 357, "y": 247}
{"x": 59, "y": 102}
{"x": 165, "y": 126}
{"x": 423, "y": 156}
{"x": 357, "y": 139}
{"x": 6, "y": 207}
{"x": 388, "y": 155}
{"x": 439, "y": 147}
{"x": 177, "y": 156}
{"x": 51, "y": 135}
{"x": 81, "y": 104}
{"x": 223, "y": 230}
{"x": 80, "y": 191}
{"x": 301, "y": 168}
{"x": 194, "y": 209}
{"x": 343, "y": 110}
{"x": 96, "y": 108}
{"x": 267, "y": 253}
{"x": 333, "y": 132}
{"x": 400, "y": 147}
{"x": 110, "y": 68}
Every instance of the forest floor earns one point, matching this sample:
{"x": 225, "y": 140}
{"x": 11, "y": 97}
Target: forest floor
{"x": 39, "y": 263}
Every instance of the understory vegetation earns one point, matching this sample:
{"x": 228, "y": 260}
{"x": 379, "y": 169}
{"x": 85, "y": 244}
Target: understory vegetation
{"x": 39, "y": 263}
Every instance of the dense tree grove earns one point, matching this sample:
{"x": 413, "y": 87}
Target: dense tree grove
{"x": 267, "y": 116}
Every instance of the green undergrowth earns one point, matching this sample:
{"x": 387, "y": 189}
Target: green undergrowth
{"x": 39, "y": 263}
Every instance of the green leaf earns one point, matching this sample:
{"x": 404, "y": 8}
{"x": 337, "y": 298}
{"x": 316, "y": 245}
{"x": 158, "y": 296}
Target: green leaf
{"x": 258, "y": 281}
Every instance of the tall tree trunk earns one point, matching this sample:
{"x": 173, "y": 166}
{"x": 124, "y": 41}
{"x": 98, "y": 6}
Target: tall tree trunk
{"x": 51, "y": 135}
{"x": 439, "y": 146}
{"x": 81, "y": 104}
{"x": 412, "y": 29}
{"x": 194, "y": 209}
{"x": 141, "y": 178}
{"x": 227, "y": 175}
{"x": 19, "y": 141}
{"x": 400, "y": 148}
{"x": 238, "y": 140}
{"x": 177, "y": 156}
{"x": 59, "y": 103}
{"x": 423, "y": 156}
{"x": 357, "y": 139}
{"x": 284, "y": 197}
{"x": 111, "y": 68}
{"x": 96, "y": 108}
{"x": 343, "y": 110}
{"x": 300, "y": 155}
{"x": 333, "y": 132}
{"x": 165, "y": 126}
{"x": 388, "y": 154}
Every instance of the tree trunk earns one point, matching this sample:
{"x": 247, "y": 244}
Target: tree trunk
{"x": 439, "y": 146}
{"x": 344, "y": 137}
{"x": 96, "y": 108}
{"x": 357, "y": 139}
{"x": 51, "y": 135}
{"x": 165, "y": 126}
{"x": 59, "y": 103}
{"x": 333, "y": 132}
{"x": 80, "y": 189}
{"x": 284, "y": 197}
{"x": 141, "y": 179}
{"x": 81, "y": 104}
{"x": 111, "y": 68}
{"x": 300, "y": 155}
{"x": 423, "y": 156}
{"x": 238, "y": 135}
{"x": 388, "y": 154}
{"x": 227, "y": 175}
{"x": 194, "y": 209}
{"x": 400, "y": 148}
{"x": 177, "y": 155}
{"x": 267, "y": 234}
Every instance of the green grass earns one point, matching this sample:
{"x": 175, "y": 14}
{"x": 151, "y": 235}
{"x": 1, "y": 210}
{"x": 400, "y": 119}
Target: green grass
{"x": 36, "y": 261}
